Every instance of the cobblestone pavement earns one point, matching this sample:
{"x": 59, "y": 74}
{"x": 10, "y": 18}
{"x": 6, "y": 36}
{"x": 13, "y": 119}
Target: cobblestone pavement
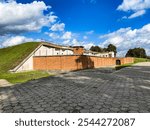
{"x": 94, "y": 90}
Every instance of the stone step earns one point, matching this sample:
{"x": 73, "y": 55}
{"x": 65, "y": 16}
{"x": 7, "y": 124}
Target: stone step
{"x": 4, "y": 83}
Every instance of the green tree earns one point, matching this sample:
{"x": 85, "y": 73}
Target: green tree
{"x": 136, "y": 52}
{"x": 96, "y": 49}
{"x": 111, "y": 47}
{"x": 104, "y": 49}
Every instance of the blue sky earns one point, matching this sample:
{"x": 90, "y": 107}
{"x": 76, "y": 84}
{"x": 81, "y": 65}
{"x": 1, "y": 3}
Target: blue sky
{"x": 124, "y": 23}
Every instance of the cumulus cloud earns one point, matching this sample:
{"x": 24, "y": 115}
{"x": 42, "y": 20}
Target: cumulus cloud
{"x": 67, "y": 35}
{"x": 126, "y": 38}
{"x": 87, "y": 45}
{"x": 54, "y": 35}
{"x": 58, "y": 27}
{"x": 15, "y": 40}
{"x": 66, "y": 42}
{"x": 137, "y": 7}
{"x": 18, "y": 18}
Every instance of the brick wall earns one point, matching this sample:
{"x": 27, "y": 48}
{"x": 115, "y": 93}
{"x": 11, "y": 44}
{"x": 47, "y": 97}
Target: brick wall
{"x": 78, "y": 50}
{"x": 74, "y": 62}
{"x": 127, "y": 60}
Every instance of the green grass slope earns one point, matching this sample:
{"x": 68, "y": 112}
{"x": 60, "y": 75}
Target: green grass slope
{"x": 23, "y": 76}
{"x": 137, "y": 60}
{"x": 10, "y": 57}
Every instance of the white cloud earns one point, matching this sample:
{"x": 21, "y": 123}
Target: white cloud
{"x": 137, "y": 7}
{"x": 67, "y": 35}
{"x": 137, "y": 14}
{"x": 66, "y": 42}
{"x": 18, "y": 18}
{"x": 58, "y": 27}
{"x": 87, "y": 45}
{"x": 54, "y": 35}
{"x": 134, "y": 5}
{"x": 3, "y": 1}
{"x": 90, "y": 32}
{"x": 15, "y": 40}
{"x": 85, "y": 37}
{"x": 126, "y": 38}
{"x": 52, "y": 18}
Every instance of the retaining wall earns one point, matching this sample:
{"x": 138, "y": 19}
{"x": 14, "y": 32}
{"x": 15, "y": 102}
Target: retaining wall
{"x": 75, "y": 62}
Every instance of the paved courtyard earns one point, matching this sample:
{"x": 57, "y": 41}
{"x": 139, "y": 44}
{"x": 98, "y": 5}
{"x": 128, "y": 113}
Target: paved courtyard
{"x": 93, "y": 90}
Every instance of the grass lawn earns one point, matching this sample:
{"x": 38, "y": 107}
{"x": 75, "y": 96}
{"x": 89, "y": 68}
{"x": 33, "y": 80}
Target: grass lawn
{"x": 23, "y": 76}
{"x": 123, "y": 66}
{"x": 137, "y": 60}
{"x": 9, "y": 59}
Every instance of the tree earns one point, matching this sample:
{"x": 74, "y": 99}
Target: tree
{"x": 136, "y": 52}
{"x": 148, "y": 57}
{"x": 96, "y": 49}
{"x": 104, "y": 49}
{"x": 112, "y": 47}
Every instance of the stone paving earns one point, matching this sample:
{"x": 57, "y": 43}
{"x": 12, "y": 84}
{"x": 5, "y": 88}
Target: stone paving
{"x": 86, "y": 91}
{"x": 4, "y": 83}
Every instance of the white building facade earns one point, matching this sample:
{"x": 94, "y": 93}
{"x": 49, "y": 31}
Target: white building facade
{"x": 104, "y": 54}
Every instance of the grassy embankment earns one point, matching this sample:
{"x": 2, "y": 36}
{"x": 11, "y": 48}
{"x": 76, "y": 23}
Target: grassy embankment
{"x": 136, "y": 60}
{"x": 11, "y": 56}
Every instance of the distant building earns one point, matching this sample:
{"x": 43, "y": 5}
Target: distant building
{"x": 103, "y": 54}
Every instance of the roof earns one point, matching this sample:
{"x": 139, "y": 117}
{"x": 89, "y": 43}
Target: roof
{"x": 56, "y": 46}
{"x": 77, "y": 47}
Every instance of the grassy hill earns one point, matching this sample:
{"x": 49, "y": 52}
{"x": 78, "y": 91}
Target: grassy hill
{"x": 10, "y": 57}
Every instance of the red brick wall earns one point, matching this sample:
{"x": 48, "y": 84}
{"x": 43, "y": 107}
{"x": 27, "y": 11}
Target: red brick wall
{"x": 75, "y": 62}
{"x": 78, "y": 51}
{"x": 126, "y": 60}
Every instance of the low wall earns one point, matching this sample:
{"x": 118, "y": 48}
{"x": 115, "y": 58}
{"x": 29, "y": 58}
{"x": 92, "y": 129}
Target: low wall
{"x": 75, "y": 62}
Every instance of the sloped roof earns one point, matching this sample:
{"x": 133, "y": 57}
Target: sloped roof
{"x": 56, "y": 46}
